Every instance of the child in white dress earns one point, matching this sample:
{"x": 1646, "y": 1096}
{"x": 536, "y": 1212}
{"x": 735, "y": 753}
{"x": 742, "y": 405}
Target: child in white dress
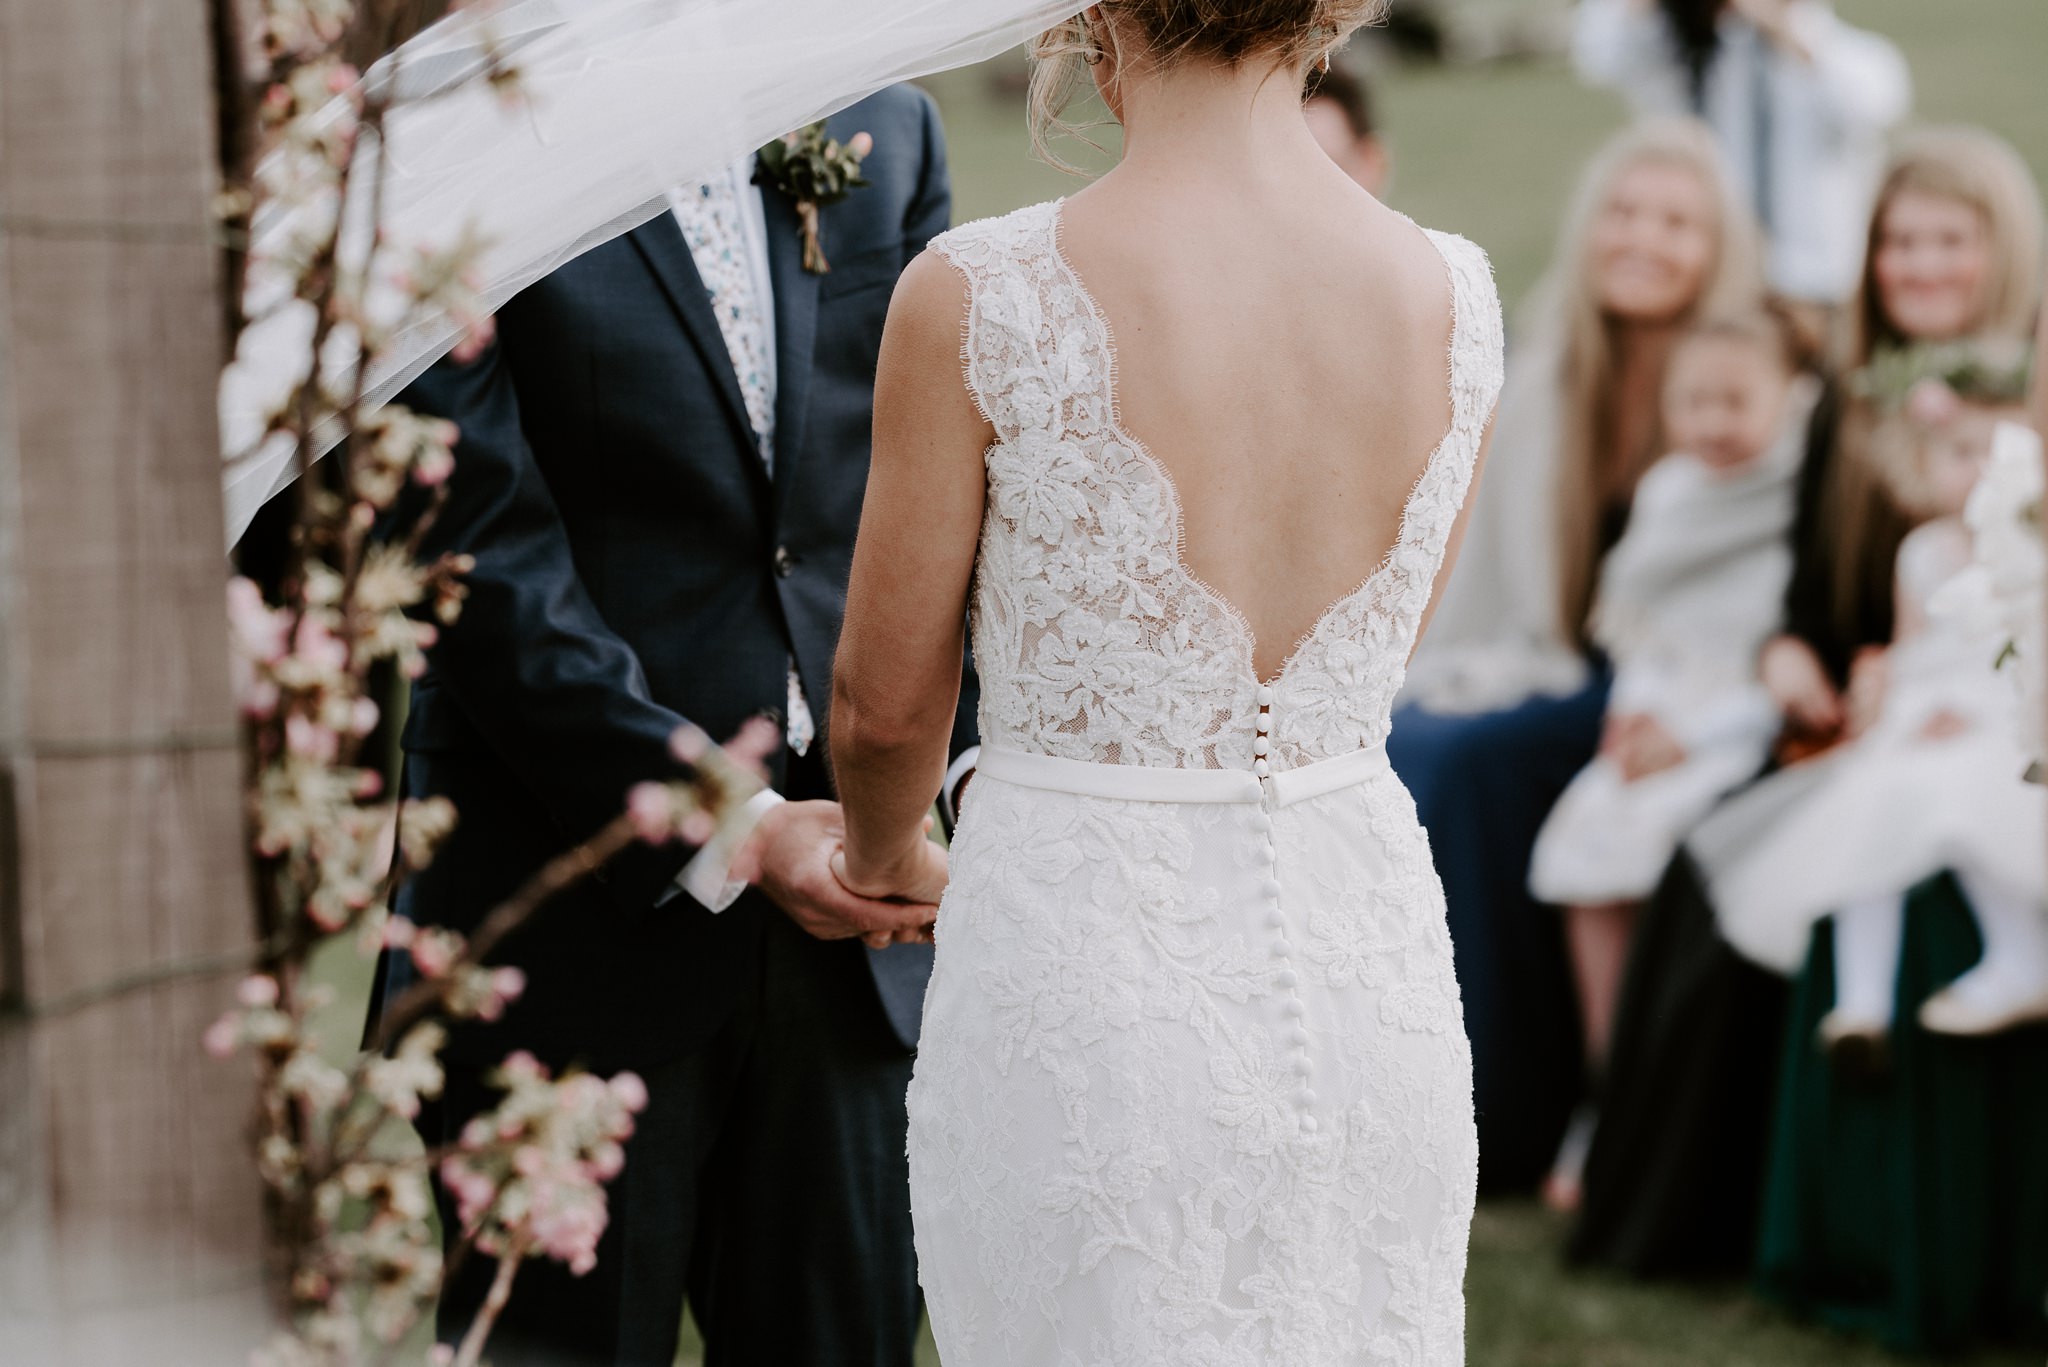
{"x": 1933, "y": 782}
{"x": 1686, "y": 600}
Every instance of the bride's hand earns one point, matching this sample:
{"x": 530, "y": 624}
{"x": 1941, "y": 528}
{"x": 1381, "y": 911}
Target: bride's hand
{"x": 915, "y": 875}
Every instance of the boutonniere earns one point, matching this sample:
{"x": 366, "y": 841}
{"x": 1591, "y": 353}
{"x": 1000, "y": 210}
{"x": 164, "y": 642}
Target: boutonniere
{"x": 814, "y": 170}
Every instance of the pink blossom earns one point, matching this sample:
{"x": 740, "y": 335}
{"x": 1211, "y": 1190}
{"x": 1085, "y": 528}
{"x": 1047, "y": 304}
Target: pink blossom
{"x": 689, "y": 744}
{"x": 756, "y": 741}
{"x": 630, "y": 1092}
{"x": 652, "y": 811}
{"x": 508, "y": 983}
{"x": 362, "y": 716}
{"x": 473, "y": 1191}
{"x": 259, "y": 699}
{"x": 223, "y": 1037}
{"x": 433, "y": 954}
{"x": 698, "y": 827}
{"x": 1931, "y": 403}
{"x": 319, "y": 646}
{"x": 860, "y": 144}
{"x": 258, "y": 627}
{"x": 308, "y": 739}
{"x": 435, "y": 465}
{"x": 477, "y": 335}
{"x": 607, "y": 1162}
{"x": 399, "y": 932}
{"x": 342, "y": 77}
{"x": 258, "y": 989}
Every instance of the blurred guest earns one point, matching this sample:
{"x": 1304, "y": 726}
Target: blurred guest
{"x": 1800, "y": 101}
{"x": 1340, "y": 113}
{"x": 1505, "y": 699}
{"x": 1687, "y": 598}
{"x": 1953, "y": 250}
{"x": 1672, "y": 1183}
{"x": 1934, "y": 780}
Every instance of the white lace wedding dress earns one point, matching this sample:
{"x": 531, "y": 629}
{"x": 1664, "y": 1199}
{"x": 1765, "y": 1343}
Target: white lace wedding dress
{"x": 1194, "y": 1089}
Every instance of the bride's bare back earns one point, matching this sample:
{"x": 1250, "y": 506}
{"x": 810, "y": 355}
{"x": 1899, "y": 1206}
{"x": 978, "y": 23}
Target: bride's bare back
{"x": 1283, "y": 356}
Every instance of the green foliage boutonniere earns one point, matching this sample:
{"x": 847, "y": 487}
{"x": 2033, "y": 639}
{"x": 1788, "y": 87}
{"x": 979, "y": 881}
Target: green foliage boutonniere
{"x": 814, "y": 170}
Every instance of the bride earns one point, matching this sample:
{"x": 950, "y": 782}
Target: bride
{"x": 1194, "y": 1086}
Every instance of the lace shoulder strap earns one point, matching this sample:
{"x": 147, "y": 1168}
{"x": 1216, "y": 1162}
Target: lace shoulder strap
{"x": 1013, "y": 272}
{"x": 1478, "y": 365}
{"x": 1477, "y": 368}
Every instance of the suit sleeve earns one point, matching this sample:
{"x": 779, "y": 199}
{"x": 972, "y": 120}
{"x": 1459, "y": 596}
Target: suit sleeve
{"x": 553, "y": 691}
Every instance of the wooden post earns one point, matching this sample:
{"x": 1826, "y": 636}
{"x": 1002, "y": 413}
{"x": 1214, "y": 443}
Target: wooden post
{"x": 129, "y": 1217}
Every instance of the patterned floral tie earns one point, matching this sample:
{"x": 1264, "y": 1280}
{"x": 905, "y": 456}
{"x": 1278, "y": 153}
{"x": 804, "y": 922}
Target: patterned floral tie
{"x": 709, "y": 215}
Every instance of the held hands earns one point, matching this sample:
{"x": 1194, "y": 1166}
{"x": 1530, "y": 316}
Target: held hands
{"x": 1792, "y": 674}
{"x": 916, "y": 876}
{"x": 791, "y": 857}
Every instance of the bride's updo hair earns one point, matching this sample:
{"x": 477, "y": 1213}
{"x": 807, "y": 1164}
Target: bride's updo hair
{"x": 1289, "y": 34}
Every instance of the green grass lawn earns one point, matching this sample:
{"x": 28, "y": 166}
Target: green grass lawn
{"x": 1526, "y": 1310}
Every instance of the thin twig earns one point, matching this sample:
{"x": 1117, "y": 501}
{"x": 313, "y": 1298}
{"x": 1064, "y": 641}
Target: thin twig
{"x": 559, "y": 874}
{"x": 494, "y": 1305}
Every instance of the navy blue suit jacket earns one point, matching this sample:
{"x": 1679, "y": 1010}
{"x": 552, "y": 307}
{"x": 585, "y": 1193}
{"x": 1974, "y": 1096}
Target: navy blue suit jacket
{"x": 636, "y": 565}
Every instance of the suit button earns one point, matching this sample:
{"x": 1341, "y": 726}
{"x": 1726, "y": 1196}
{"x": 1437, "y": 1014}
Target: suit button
{"x": 785, "y": 563}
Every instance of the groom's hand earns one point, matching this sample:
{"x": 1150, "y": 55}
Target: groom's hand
{"x": 789, "y": 857}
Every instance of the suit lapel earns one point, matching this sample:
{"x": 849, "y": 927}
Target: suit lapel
{"x": 660, "y": 243}
{"x": 796, "y": 335}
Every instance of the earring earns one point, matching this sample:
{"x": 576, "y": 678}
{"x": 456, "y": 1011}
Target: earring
{"x": 1092, "y": 55}
{"x": 1324, "y": 66}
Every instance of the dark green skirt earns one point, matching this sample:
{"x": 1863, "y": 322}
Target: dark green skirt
{"x": 1912, "y": 1203}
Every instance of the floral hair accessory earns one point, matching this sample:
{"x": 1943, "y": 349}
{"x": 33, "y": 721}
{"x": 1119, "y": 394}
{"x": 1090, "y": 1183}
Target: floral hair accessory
{"x": 814, "y": 170}
{"x": 1928, "y": 383}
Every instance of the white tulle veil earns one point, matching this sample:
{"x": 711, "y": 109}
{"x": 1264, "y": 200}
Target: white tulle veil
{"x": 624, "y": 99}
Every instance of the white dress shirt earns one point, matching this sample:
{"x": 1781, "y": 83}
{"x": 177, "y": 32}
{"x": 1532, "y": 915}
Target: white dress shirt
{"x": 707, "y": 877}
{"x": 1804, "y": 135}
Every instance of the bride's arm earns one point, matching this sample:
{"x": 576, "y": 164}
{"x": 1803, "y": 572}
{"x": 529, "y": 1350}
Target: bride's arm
{"x": 897, "y": 676}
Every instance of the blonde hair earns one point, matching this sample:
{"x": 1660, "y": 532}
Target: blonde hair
{"x": 1762, "y": 328}
{"x": 1166, "y": 33}
{"x": 1972, "y": 167}
{"x": 1567, "y": 304}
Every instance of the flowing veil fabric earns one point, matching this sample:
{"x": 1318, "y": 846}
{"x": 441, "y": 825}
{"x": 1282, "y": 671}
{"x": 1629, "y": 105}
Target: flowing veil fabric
{"x": 623, "y": 99}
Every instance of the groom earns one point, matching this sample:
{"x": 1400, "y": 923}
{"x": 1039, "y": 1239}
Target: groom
{"x": 660, "y": 472}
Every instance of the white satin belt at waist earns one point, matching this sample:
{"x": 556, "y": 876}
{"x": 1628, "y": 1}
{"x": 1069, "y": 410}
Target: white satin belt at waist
{"x": 1155, "y": 783}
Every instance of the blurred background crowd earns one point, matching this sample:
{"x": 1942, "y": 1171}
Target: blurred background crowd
{"x": 1737, "y": 1019}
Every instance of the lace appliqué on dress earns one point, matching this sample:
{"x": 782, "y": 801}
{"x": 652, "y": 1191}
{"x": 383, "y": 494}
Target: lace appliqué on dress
{"x": 1094, "y": 640}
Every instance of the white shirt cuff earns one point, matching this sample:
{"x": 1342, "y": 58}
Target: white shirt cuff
{"x": 708, "y": 875}
{"x": 949, "y": 791}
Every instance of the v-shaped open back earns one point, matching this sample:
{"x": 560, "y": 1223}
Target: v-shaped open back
{"x": 1093, "y": 638}
{"x": 1111, "y": 373}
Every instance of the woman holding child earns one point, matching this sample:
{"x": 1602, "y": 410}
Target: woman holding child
{"x": 1506, "y": 695}
{"x": 1673, "y": 1179}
